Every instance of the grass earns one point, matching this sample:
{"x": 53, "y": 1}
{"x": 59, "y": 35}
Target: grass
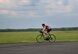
{"x": 26, "y": 37}
{"x": 66, "y": 35}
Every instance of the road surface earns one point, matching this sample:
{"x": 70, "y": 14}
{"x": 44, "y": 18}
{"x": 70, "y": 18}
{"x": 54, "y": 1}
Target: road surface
{"x": 40, "y": 48}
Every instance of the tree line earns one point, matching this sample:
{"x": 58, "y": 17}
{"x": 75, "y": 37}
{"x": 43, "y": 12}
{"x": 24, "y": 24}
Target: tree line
{"x": 38, "y": 29}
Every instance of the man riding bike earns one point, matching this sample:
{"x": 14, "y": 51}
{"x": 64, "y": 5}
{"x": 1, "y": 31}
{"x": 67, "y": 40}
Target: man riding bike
{"x": 45, "y": 30}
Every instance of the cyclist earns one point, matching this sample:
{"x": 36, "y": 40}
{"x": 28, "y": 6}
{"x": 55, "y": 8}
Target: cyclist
{"x": 46, "y": 29}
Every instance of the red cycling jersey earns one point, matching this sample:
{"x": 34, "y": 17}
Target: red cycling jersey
{"x": 46, "y": 27}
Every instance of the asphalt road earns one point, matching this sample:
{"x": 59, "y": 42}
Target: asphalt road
{"x": 40, "y": 48}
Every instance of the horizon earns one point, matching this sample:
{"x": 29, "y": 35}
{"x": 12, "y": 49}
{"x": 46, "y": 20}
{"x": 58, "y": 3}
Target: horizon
{"x": 37, "y": 28}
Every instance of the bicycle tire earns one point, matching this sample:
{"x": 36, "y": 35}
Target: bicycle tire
{"x": 52, "y": 38}
{"x": 40, "y": 38}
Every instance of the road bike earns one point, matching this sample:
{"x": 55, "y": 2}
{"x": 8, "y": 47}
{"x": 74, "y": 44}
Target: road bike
{"x": 41, "y": 38}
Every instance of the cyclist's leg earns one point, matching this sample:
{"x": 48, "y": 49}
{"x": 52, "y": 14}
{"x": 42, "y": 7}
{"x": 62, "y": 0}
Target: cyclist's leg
{"x": 44, "y": 34}
{"x": 48, "y": 31}
{"x": 47, "y": 35}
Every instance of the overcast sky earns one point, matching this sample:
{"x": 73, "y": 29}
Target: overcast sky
{"x": 32, "y": 13}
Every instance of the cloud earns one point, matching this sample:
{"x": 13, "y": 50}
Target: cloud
{"x": 7, "y": 4}
{"x": 4, "y": 11}
{"x": 24, "y": 2}
{"x": 42, "y": 7}
{"x": 60, "y": 7}
{"x": 52, "y": 7}
{"x": 28, "y": 14}
{"x": 4, "y": 1}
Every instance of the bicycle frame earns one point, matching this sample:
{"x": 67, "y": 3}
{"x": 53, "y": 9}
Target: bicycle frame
{"x": 41, "y": 37}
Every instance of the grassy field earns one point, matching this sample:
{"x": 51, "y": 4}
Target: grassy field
{"x": 26, "y": 37}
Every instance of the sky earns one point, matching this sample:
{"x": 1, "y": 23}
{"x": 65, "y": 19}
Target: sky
{"x": 21, "y": 14}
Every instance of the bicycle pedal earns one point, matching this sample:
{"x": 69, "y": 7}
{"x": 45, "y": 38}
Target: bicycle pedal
{"x": 47, "y": 39}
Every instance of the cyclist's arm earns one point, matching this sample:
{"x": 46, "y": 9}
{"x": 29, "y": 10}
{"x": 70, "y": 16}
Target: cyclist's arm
{"x": 43, "y": 29}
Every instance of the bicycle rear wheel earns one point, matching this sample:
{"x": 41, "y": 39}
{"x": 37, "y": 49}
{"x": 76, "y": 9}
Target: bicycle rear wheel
{"x": 52, "y": 38}
{"x": 40, "y": 38}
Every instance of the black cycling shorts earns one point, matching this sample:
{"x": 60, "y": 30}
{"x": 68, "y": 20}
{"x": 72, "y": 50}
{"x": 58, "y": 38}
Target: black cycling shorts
{"x": 49, "y": 30}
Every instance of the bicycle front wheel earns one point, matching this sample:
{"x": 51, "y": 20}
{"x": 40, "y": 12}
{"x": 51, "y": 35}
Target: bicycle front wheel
{"x": 40, "y": 38}
{"x": 52, "y": 38}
